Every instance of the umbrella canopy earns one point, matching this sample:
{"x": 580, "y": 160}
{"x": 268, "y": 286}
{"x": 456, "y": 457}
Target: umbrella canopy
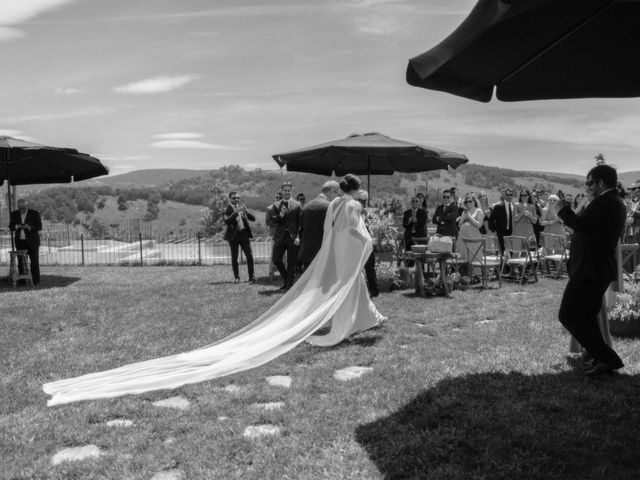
{"x": 26, "y": 163}
{"x": 371, "y": 154}
{"x": 537, "y": 49}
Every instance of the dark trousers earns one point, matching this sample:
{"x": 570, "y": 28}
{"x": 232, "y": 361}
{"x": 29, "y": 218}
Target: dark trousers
{"x": 578, "y": 313}
{"x": 288, "y": 273}
{"x": 241, "y": 240}
{"x": 33, "y": 259}
{"x": 370, "y": 273}
{"x": 501, "y": 235}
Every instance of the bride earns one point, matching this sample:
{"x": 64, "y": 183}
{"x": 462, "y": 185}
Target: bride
{"x": 332, "y": 290}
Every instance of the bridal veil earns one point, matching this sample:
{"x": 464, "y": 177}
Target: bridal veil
{"x": 333, "y": 289}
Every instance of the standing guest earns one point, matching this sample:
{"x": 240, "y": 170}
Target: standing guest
{"x": 470, "y": 223}
{"x": 286, "y": 216}
{"x": 483, "y": 204}
{"x": 238, "y": 234}
{"x": 423, "y": 202}
{"x": 524, "y": 216}
{"x": 549, "y": 220}
{"x": 272, "y": 229}
{"x": 446, "y": 215}
{"x": 592, "y": 266}
{"x": 26, "y": 224}
{"x": 370, "y": 265}
{"x": 633, "y": 218}
{"x": 301, "y": 198}
{"x": 538, "y": 228}
{"x": 414, "y": 222}
{"x": 312, "y": 222}
{"x": 569, "y": 199}
{"x": 501, "y": 219}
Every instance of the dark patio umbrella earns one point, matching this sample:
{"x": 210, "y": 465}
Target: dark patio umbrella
{"x": 370, "y": 154}
{"x": 26, "y": 163}
{"x": 537, "y": 49}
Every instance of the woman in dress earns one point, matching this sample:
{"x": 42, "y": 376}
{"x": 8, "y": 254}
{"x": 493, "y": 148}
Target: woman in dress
{"x": 549, "y": 220}
{"x": 524, "y": 216}
{"x": 469, "y": 223}
{"x": 332, "y": 290}
{"x": 423, "y": 202}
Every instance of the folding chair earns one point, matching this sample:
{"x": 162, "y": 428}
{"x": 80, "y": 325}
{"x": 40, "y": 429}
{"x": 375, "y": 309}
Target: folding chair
{"x": 477, "y": 259}
{"x": 518, "y": 257}
{"x": 554, "y": 250}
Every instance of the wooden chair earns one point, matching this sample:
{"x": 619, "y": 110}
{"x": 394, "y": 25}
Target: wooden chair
{"x": 517, "y": 257}
{"x": 554, "y": 251}
{"x": 477, "y": 258}
{"x": 18, "y": 259}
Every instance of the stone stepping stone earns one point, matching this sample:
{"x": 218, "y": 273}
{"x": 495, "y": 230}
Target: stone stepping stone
{"x": 119, "y": 422}
{"x": 279, "y": 381}
{"x": 170, "y": 475}
{"x": 484, "y": 322}
{"x": 257, "y": 431}
{"x": 232, "y": 388}
{"x": 222, "y": 418}
{"x": 179, "y": 403}
{"x": 268, "y": 406}
{"x": 351, "y": 373}
{"x": 74, "y": 454}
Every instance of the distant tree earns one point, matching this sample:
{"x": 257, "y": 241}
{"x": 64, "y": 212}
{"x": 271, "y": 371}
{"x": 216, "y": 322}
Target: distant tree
{"x": 102, "y": 203}
{"x": 97, "y": 229}
{"x": 213, "y": 222}
{"x": 122, "y": 202}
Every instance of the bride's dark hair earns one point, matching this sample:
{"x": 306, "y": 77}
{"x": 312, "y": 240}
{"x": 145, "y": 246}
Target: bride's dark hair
{"x": 349, "y": 183}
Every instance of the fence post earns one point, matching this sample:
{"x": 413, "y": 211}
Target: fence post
{"x": 82, "y": 248}
{"x": 140, "y": 240}
{"x": 199, "y": 249}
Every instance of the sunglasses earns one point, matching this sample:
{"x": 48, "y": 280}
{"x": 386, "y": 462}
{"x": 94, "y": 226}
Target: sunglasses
{"x": 446, "y": 197}
{"x": 588, "y": 183}
{"x": 468, "y": 201}
{"x": 235, "y": 198}
{"x": 508, "y": 194}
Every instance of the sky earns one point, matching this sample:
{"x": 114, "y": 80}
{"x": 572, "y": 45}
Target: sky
{"x": 200, "y": 84}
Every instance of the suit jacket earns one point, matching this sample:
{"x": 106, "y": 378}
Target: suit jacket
{"x": 35, "y": 223}
{"x": 596, "y": 231}
{"x": 231, "y": 219}
{"x": 289, "y": 223}
{"x": 498, "y": 219}
{"x": 420, "y": 225}
{"x": 445, "y": 218}
{"x": 312, "y": 227}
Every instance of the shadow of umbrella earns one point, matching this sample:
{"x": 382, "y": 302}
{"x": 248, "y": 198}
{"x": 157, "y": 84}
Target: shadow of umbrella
{"x": 536, "y": 50}
{"x": 370, "y": 154}
{"x": 510, "y": 426}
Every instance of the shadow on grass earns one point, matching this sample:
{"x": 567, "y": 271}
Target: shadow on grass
{"x": 504, "y": 426}
{"x": 46, "y": 281}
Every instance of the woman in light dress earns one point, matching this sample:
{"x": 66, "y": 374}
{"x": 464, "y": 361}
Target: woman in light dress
{"x": 331, "y": 291}
{"x": 524, "y": 216}
{"x": 550, "y": 221}
{"x": 469, "y": 223}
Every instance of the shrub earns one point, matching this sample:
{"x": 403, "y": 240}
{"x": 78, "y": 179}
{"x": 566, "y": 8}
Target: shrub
{"x": 627, "y": 306}
{"x": 382, "y": 231}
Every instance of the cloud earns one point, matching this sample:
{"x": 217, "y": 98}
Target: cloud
{"x": 191, "y": 144}
{"x": 156, "y": 84}
{"x": 178, "y": 136}
{"x": 16, "y": 12}
{"x": 8, "y": 33}
{"x": 39, "y": 117}
{"x": 9, "y": 132}
{"x": 68, "y": 91}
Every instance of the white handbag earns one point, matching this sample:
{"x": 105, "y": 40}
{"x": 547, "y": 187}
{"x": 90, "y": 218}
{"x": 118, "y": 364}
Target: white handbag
{"x": 440, "y": 244}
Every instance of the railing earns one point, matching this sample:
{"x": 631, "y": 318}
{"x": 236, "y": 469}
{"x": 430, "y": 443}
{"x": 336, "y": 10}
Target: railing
{"x": 70, "y": 248}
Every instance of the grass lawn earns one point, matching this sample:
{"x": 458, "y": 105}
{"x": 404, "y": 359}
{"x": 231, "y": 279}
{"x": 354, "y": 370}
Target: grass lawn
{"x": 473, "y": 387}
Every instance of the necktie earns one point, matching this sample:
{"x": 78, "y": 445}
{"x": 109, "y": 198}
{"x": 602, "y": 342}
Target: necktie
{"x": 509, "y": 217}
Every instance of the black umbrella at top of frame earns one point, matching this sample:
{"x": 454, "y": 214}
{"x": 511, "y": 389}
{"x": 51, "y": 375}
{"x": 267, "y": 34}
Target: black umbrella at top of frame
{"x": 537, "y": 50}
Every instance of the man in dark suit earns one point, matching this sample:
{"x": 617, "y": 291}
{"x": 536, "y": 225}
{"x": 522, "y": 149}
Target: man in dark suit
{"x": 285, "y": 215}
{"x": 501, "y": 218}
{"x": 312, "y": 222}
{"x": 414, "y": 221}
{"x": 592, "y": 266}
{"x": 446, "y": 215}
{"x": 26, "y": 224}
{"x": 238, "y": 234}
{"x": 272, "y": 228}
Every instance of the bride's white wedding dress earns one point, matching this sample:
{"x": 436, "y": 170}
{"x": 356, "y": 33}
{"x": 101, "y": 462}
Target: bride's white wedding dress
{"x": 333, "y": 289}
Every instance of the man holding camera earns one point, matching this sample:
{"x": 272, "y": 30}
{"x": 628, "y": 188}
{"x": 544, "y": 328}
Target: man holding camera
{"x": 238, "y": 234}
{"x": 285, "y": 215}
{"x": 26, "y": 224}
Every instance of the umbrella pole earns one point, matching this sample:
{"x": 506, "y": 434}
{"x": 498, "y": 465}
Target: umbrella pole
{"x": 13, "y": 246}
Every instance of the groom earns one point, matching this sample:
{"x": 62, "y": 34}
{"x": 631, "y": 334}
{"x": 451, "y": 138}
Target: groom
{"x": 592, "y": 266}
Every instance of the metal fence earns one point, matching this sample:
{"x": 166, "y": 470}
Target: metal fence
{"x": 71, "y": 248}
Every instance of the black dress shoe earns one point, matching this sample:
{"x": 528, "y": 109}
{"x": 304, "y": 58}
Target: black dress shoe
{"x": 284, "y": 287}
{"x": 252, "y": 280}
{"x": 603, "y": 368}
